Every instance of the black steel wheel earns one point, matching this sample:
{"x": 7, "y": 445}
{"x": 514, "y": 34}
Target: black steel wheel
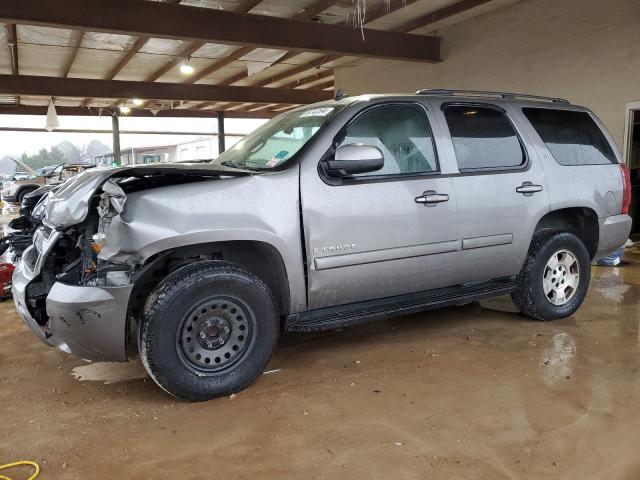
{"x": 215, "y": 334}
{"x": 208, "y": 330}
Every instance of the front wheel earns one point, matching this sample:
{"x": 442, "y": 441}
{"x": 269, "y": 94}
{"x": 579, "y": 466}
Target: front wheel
{"x": 555, "y": 277}
{"x": 208, "y": 330}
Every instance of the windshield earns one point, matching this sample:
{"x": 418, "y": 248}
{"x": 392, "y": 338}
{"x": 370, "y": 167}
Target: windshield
{"x": 277, "y": 141}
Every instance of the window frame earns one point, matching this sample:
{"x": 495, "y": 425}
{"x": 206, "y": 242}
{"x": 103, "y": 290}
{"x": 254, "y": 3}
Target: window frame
{"x": 486, "y": 170}
{"x": 340, "y": 135}
{"x": 593, "y": 118}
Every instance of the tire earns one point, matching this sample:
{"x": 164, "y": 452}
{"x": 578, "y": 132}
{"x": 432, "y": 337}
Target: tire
{"x": 23, "y": 193}
{"x": 536, "y": 294}
{"x": 204, "y": 298}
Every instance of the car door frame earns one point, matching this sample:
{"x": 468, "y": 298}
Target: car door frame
{"x": 445, "y": 169}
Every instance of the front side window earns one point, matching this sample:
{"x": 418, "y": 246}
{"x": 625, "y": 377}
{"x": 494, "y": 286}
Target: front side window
{"x": 573, "y": 138}
{"x": 483, "y": 138}
{"x": 277, "y": 141}
{"x": 402, "y": 134}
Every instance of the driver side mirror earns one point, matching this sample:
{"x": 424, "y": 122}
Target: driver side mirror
{"x": 353, "y": 159}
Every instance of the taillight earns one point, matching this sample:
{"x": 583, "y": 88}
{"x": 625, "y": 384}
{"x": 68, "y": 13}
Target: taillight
{"x": 626, "y": 188}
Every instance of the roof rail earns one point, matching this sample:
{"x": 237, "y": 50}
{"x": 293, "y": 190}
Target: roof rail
{"x": 477, "y": 93}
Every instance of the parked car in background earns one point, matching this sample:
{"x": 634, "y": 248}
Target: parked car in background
{"x": 18, "y": 234}
{"x": 327, "y": 216}
{"x": 51, "y": 175}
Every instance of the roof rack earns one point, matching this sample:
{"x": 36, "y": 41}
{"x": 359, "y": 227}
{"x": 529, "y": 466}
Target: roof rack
{"x": 477, "y": 93}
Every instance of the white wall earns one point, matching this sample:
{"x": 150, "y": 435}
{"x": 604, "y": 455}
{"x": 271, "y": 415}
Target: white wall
{"x": 587, "y": 51}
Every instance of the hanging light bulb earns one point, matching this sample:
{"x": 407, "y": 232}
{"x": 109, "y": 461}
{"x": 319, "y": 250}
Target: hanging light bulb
{"x": 185, "y": 68}
{"x": 124, "y": 109}
{"x": 137, "y": 102}
{"x": 52, "y": 117}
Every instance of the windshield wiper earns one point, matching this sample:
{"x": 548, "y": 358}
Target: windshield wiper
{"x": 230, "y": 164}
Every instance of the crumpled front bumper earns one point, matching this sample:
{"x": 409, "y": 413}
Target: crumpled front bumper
{"x": 88, "y": 322}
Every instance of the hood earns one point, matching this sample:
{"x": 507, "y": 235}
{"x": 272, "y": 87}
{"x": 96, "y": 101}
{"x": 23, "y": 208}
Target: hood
{"x": 70, "y": 203}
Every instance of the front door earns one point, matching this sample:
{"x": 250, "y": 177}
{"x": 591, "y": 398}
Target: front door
{"x": 501, "y": 189}
{"x": 383, "y": 233}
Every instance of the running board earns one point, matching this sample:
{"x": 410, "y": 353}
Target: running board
{"x": 362, "y": 312}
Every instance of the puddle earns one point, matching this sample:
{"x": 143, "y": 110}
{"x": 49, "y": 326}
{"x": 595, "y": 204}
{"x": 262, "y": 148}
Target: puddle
{"x": 109, "y": 373}
{"x": 611, "y": 284}
{"x": 558, "y": 358}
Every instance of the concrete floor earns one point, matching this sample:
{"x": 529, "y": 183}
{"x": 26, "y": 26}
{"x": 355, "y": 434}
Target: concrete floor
{"x": 475, "y": 392}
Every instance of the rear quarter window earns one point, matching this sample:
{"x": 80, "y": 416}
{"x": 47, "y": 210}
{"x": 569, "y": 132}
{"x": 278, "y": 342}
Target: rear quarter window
{"x": 573, "y": 138}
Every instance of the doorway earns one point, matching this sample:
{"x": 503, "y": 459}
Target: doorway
{"x": 632, "y": 159}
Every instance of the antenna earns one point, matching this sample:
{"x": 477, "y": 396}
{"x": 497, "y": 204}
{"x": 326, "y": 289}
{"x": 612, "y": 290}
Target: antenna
{"x": 340, "y": 94}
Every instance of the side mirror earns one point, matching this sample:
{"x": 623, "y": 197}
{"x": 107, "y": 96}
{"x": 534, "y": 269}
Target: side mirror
{"x": 355, "y": 158}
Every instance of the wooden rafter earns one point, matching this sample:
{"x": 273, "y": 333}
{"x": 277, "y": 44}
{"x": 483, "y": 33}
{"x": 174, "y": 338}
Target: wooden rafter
{"x": 77, "y": 41}
{"x": 91, "y": 88}
{"x": 163, "y": 20}
{"x": 94, "y": 111}
{"x": 303, "y": 15}
{"x": 12, "y": 41}
{"x": 135, "y": 48}
{"x": 379, "y": 12}
{"x": 440, "y": 14}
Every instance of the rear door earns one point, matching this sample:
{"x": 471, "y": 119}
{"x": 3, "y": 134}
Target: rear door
{"x": 372, "y": 235}
{"x": 501, "y": 188}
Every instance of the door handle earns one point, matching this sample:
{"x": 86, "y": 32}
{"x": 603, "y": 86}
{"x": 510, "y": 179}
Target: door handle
{"x": 528, "y": 189}
{"x": 431, "y": 198}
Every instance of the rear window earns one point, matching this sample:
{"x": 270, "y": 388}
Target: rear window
{"x": 483, "y": 138}
{"x": 573, "y": 138}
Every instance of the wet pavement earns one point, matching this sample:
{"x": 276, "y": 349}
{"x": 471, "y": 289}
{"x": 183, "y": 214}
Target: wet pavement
{"x": 473, "y": 392}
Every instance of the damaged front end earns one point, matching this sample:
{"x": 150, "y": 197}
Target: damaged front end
{"x": 70, "y": 297}
{"x": 74, "y": 286}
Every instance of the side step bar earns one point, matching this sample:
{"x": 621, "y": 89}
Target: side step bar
{"x": 362, "y": 312}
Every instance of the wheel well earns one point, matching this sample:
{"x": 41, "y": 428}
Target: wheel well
{"x": 24, "y": 190}
{"x": 581, "y": 221}
{"x": 260, "y": 258}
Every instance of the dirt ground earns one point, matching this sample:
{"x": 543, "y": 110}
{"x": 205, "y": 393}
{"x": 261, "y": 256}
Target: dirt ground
{"x": 475, "y": 392}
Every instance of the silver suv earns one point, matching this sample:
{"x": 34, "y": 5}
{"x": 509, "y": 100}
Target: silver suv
{"x": 329, "y": 215}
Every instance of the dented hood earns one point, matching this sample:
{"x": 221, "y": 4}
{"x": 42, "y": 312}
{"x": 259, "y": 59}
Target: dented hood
{"x": 70, "y": 202}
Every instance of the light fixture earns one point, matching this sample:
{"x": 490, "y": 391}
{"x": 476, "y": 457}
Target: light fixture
{"x": 52, "y": 117}
{"x": 124, "y": 109}
{"x": 137, "y": 102}
{"x": 185, "y": 68}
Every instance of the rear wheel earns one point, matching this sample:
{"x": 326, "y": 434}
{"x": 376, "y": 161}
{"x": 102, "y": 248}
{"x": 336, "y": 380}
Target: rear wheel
{"x": 208, "y": 330}
{"x": 555, "y": 277}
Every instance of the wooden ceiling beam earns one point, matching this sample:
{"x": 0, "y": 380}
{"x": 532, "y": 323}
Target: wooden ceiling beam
{"x": 77, "y": 41}
{"x": 440, "y": 14}
{"x": 135, "y": 48}
{"x": 12, "y": 41}
{"x": 90, "y": 88}
{"x": 95, "y": 111}
{"x": 197, "y": 24}
{"x": 386, "y": 9}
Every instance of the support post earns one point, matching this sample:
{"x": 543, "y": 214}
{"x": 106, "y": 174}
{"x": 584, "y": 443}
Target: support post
{"x": 115, "y": 130}
{"x": 221, "y": 139}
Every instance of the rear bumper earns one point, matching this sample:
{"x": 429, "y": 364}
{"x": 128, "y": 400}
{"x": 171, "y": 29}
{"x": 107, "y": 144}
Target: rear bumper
{"x": 88, "y": 322}
{"x": 614, "y": 232}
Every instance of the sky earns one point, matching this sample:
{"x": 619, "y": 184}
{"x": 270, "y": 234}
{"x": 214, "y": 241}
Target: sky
{"x": 15, "y": 143}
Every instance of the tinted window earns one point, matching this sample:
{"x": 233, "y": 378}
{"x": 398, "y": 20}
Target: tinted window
{"x": 402, "y": 134}
{"x": 483, "y": 137}
{"x": 573, "y": 138}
